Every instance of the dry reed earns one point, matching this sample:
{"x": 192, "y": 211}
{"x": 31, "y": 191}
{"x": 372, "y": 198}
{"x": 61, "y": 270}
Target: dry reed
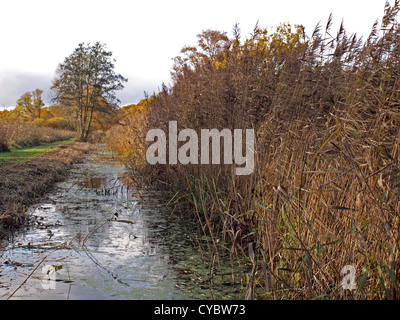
{"x": 326, "y": 189}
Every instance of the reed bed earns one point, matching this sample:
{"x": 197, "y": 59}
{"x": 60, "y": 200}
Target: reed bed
{"x": 325, "y": 192}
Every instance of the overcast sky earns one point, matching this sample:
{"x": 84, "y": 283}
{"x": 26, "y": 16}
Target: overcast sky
{"x": 144, "y": 36}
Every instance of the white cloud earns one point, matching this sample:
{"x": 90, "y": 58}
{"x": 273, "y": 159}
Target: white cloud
{"x": 144, "y": 36}
{"x": 13, "y": 84}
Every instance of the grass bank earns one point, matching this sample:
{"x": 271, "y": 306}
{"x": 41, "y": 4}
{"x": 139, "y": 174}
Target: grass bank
{"x": 18, "y": 134}
{"x": 8, "y": 159}
{"x": 24, "y": 183}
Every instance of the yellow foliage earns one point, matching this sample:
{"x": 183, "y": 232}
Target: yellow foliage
{"x": 56, "y": 122}
{"x": 125, "y": 138}
{"x": 136, "y": 108}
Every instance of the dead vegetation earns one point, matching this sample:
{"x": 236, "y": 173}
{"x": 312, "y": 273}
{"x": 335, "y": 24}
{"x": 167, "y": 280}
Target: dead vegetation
{"x": 17, "y": 133}
{"x": 326, "y": 189}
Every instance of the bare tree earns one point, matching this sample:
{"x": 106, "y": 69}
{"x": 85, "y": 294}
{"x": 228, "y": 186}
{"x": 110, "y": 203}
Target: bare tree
{"x": 84, "y": 80}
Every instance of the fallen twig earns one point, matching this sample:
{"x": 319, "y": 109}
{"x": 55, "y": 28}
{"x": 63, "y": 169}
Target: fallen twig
{"x": 26, "y": 279}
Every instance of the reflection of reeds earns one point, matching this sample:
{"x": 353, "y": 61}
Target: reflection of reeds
{"x": 325, "y": 192}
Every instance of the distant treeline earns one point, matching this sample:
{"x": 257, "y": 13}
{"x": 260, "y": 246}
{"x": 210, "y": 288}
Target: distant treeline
{"x": 31, "y": 123}
{"x": 58, "y": 116}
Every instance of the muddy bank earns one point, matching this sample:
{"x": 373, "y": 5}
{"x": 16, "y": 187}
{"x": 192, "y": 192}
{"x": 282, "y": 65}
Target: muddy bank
{"x": 25, "y": 184}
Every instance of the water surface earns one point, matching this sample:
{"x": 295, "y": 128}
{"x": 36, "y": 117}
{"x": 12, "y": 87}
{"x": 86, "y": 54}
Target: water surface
{"x": 96, "y": 237}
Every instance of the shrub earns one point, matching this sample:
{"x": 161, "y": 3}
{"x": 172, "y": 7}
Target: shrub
{"x": 57, "y": 123}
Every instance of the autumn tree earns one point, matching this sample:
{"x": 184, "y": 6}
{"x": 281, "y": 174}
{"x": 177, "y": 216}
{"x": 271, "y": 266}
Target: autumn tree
{"x": 38, "y": 103}
{"x": 30, "y": 103}
{"x": 84, "y": 81}
{"x": 210, "y": 45}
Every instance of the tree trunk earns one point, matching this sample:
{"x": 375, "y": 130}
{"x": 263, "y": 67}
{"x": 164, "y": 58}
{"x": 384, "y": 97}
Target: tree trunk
{"x": 89, "y": 124}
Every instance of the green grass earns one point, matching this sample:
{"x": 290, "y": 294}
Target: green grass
{"x": 21, "y": 155}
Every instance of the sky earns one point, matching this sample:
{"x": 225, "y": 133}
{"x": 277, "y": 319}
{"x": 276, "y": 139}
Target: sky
{"x": 144, "y": 36}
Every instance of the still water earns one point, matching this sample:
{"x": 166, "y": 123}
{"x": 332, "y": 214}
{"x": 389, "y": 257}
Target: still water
{"x": 94, "y": 237}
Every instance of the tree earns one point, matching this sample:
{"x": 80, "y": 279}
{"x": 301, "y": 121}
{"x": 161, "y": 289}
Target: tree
{"x": 210, "y": 46}
{"x": 38, "y": 103}
{"x": 24, "y": 103}
{"x": 84, "y": 80}
{"x": 212, "y": 42}
{"x": 31, "y": 103}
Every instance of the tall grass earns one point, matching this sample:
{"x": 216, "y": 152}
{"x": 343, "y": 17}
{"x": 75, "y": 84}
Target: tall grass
{"x": 326, "y": 189}
{"x": 15, "y": 133}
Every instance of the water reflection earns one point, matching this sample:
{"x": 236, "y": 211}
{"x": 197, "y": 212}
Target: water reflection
{"x": 105, "y": 244}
